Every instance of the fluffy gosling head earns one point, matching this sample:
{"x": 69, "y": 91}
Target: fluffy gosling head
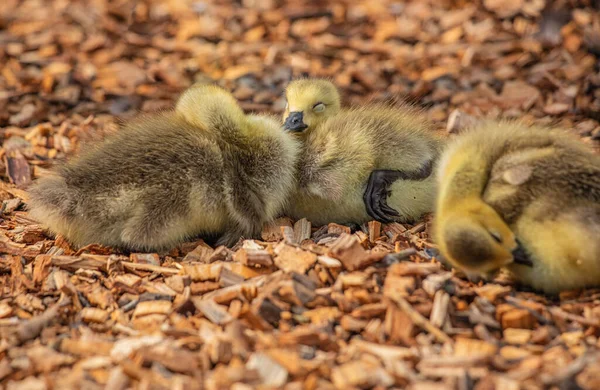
{"x": 309, "y": 102}
{"x": 203, "y": 103}
{"x": 474, "y": 238}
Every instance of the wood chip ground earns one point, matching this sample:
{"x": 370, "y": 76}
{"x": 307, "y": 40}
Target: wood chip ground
{"x": 306, "y": 307}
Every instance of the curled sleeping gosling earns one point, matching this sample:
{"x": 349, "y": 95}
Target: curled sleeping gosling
{"x": 523, "y": 199}
{"x": 358, "y": 164}
{"x": 204, "y": 168}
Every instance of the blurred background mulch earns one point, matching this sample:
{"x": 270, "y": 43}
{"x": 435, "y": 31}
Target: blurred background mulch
{"x": 62, "y": 61}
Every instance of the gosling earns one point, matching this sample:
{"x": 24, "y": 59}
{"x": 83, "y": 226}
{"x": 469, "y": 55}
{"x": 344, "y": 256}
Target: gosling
{"x": 358, "y": 164}
{"x": 525, "y": 199}
{"x": 203, "y": 168}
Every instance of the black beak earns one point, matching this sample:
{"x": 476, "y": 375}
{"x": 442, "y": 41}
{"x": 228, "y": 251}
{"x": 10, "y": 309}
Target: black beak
{"x": 520, "y": 256}
{"x": 294, "y": 122}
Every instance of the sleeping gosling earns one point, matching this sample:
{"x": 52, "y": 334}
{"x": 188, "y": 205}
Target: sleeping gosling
{"x": 204, "y": 168}
{"x": 358, "y": 164}
{"x": 521, "y": 198}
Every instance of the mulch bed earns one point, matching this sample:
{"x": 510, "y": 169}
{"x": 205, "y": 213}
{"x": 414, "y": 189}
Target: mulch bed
{"x": 305, "y": 307}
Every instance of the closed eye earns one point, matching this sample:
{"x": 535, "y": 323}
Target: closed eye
{"x": 497, "y": 237}
{"x": 319, "y": 107}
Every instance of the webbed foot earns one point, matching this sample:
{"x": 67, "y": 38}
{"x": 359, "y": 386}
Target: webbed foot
{"x": 376, "y": 194}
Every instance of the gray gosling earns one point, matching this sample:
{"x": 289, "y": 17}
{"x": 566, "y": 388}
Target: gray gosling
{"x": 204, "y": 168}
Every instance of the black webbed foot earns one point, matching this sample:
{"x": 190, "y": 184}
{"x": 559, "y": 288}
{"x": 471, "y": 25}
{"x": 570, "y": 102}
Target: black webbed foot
{"x": 376, "y": 194}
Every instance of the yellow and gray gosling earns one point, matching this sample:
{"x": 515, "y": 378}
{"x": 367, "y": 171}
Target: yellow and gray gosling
{"x": 525, "y": 199}
{"x": 358, "y": 164}
{"x": 204, "y": 168}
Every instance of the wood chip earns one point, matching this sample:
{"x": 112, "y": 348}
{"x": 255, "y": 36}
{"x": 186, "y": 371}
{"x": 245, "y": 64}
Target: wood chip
{"x": 253, "y": 257}
{"x": 302, "y": 230}
{"x": 152, "y": 307}
{"x": 92, "y": 314}
{"x": 439, "y": 311}
{"x": 32, "y": 328}
{"x": 517, "y": 318}
{"x": 213, "y": 311}
{"x": 350, "y": 252}
{"x": 517, "y": 336}
{"x": 374, "y": 231}
{"x": 292, "y": 259}
{"x": 272, "y": 231}
{"x": 203, "y": 272}
{"x": 468, "y": 347}
{"x": 270, "y": 372}
{"x": 334, "y": 228}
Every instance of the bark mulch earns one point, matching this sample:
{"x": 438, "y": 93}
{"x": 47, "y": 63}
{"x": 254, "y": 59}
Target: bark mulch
{"x": 305, "y": 307}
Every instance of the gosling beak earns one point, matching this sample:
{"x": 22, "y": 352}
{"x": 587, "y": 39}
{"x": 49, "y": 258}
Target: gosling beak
{"x": 294, "y": 122}
{"x": 520, "y": 256}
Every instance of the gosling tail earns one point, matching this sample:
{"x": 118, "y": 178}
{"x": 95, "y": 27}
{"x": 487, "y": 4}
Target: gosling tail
{"x": 52, "y": 204}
